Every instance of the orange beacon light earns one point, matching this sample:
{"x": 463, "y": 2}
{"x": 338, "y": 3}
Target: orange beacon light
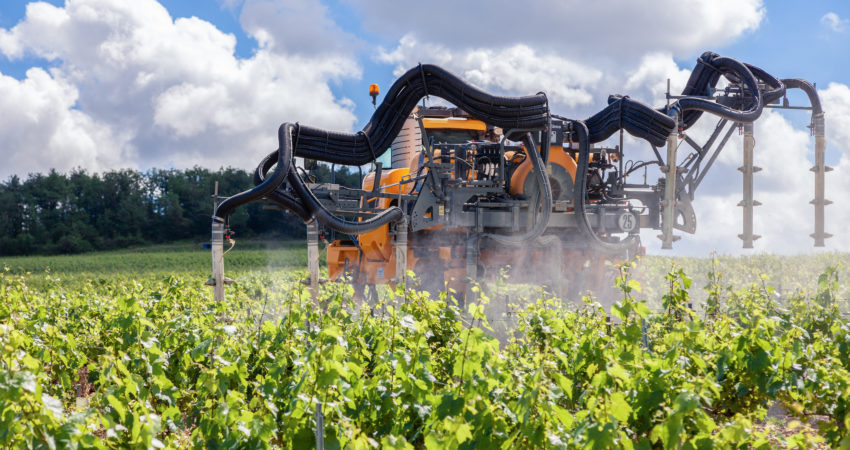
{"x": 374, "y": 91}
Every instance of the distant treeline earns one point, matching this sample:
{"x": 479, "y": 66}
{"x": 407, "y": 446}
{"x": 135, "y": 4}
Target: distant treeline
{"x": 79, "y": 212}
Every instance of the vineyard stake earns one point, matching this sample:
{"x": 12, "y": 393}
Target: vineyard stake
{"x": 320, "y": 427}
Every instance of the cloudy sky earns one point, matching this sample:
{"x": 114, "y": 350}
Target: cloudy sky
{"x": 105, "y": 84}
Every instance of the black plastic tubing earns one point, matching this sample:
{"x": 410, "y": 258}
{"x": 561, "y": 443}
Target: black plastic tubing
{"x": 284, "y": 158}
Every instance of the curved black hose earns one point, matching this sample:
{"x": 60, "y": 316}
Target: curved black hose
{"x": 326, "y": 218}
{"x": 654, "y": 125}
{"x": 544, "y": 188}
{"x": 280, "y": 197}
{"x": 742, "y": 73}
{"x": 777, "y": 86}
{"x": 307, "y": 206}
{"x": 580, "y": 191}
{"x": 286, "y": 201}
{"x": 639, "y": 119}
{"x": 809, "y": 89}
{"x": 530, "y": 112}
{"x": 263, "y": 168}
{"x": 284, "y": 157}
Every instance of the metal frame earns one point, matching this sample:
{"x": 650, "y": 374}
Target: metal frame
{"x": 694, "y": 172}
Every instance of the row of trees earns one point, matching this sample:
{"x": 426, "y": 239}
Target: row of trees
{"x": 79, "y": 212}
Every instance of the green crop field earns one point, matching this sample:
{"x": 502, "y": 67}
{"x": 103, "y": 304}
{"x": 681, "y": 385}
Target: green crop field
{"x": 127, "y": 350}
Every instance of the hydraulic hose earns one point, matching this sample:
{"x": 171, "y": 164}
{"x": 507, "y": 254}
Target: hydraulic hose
{"x": 742, "y": 73}
{"x": 326, "y": 218}
{"x": 426, "y": 79}
{"x": 284, "y": 158}
{"x": 544, "y": 188}
{"x": 654, "y": 125}
{"x": 809, "y": 89}
{"x": 307, "y": 206}
{"x": 280, "y": 197}
{"x": 639, "y": 119}
{"x": 286, "y": 201}
{"x": 777, "y": 86}
{"x": 580, "y": 192}
{"x": 710, "y": 67}
{"x": 263, "y": 168}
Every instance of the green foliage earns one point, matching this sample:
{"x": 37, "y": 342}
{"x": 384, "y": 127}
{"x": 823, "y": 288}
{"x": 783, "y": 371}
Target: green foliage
{"x": 80, "y": 212}
{"x": 148, "y": 360}
{"x": 789, "y": 275}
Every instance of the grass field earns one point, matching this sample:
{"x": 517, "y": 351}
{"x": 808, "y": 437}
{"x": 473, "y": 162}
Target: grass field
{"x": 786, "y": 274}
{"x": 126, "y": 349}
{"x": 185, "y": 258}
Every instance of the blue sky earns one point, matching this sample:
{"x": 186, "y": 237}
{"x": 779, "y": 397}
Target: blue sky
{"x": 790, "y": 40}
{"x": 105, "y": 84}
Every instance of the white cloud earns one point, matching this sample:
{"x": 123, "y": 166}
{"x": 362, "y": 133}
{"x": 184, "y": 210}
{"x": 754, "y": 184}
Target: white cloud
{"x": 836, "y": 104}
{"x": 295, "y": 27}
{"x": 147, "y": 90}
{"x": 834, "y": 22}
{"x": 515, "y": 69}
{"x": 649, "y": 82}
{"x": 41, "y": 129}
{"x": 612, "y": 29}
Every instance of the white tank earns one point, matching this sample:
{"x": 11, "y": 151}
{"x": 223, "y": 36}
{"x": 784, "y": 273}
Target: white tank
{"x": 407, "y": 144}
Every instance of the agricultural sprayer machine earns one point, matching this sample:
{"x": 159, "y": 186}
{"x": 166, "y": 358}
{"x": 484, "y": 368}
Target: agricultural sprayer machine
{"x": 501, "y": 183}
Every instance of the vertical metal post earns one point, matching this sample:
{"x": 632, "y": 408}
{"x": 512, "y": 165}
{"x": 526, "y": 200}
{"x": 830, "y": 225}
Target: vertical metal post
{"x": 401, "y": 250}
{"x": 217, "y": 247}
{"x": 313, "y": 257}
{"x": 820, "y": 169}
{"x": 747, "y": 170}
{"x": 320, "y": 427}
{"x": 668, "y": 214}
{"x": 217, "y": 251}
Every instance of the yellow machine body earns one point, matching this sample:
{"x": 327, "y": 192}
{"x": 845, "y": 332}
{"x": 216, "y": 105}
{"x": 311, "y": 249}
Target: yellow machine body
{"x": 372, "y": 259}
{"x": 377, "y": 263}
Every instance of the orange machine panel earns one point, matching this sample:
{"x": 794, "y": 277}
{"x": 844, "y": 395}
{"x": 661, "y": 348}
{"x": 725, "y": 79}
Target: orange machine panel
{"x": 342, "y": 259}
{"x": 377, "y": 244}
{"x": 453, "y": 123}
{"x": 557, "y": 156}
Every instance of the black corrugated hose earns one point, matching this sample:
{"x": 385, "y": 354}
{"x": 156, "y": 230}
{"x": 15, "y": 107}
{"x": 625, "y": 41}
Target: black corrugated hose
{"x": 375, "y": 138}
{"x": 644, "y": 122}
{"x": 267, "y": 186}
{"x": 308, "y": 207}
{"x": 579, "y": 128}
{"x": 530, "y": 112}
{"x": 656, "y": 125}
{"x": 426, "y": 79}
